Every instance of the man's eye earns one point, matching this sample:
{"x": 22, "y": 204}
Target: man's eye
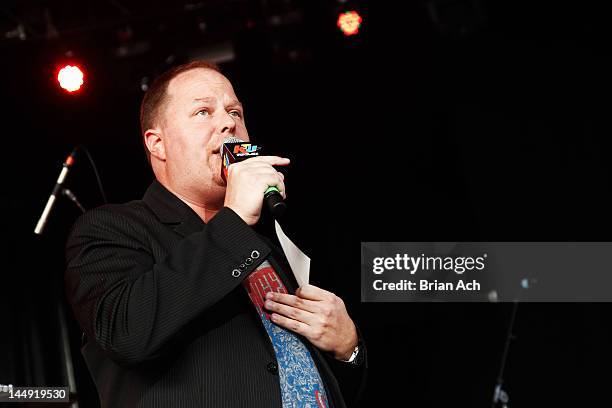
{"x": 236, "y": 113}
{"x": 202, "y": 112}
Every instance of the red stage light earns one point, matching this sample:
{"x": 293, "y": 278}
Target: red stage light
{"x": 70, "y": 78}
{"x": 349, "y": 22}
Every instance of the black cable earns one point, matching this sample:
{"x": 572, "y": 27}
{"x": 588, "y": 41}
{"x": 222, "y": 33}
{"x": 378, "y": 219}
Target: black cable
{"x": 95, "y": 169}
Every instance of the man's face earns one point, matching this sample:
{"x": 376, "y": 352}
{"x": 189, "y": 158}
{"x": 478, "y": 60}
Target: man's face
{"x": 202, "y": 110}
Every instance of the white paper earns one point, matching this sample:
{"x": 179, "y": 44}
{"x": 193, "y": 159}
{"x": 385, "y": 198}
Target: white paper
{"x": 299, "y": 262}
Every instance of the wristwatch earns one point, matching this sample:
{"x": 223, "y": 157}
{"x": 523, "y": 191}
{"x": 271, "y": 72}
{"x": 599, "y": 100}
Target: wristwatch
{"x": 356, "y": 357}
{"x": 353, "y": 355}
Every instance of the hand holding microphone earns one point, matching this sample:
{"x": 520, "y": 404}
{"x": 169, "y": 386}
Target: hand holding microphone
{"x": 252, "y": 179}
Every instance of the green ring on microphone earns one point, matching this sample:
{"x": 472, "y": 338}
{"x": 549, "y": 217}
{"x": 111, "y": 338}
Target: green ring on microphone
{"x": 271, "y": 189}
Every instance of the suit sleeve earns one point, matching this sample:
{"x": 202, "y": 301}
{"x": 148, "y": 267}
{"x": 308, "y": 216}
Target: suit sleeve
{"x": 351, "y": 377}
{"x": 132, "y": 305}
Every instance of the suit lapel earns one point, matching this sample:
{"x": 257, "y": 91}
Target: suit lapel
{"x": 171, "y": 210}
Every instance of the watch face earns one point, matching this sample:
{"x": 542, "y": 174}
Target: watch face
{"x": 358, "y": 356}
{"x": 353, "y": 354}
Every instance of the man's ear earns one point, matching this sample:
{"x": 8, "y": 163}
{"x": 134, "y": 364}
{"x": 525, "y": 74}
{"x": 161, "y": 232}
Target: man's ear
{"x": 155, "y": 143}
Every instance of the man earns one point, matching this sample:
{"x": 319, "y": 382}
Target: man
{"x": 167, "y": 289}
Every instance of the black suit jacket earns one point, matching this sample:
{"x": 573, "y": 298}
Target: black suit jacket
{"x": 167, "y": 321}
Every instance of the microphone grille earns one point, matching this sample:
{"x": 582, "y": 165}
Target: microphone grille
{"x": 232, "y": 139}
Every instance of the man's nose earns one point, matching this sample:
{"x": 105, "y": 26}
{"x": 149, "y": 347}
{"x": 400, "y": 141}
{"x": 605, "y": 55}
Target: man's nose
{"x": 228, "y": 123}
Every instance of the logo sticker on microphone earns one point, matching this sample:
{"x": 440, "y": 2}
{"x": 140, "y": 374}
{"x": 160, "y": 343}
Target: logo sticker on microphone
{"x": 246, "y": 149}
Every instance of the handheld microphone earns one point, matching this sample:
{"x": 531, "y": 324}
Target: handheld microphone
{"x": 57, "y": 190}
{"x": 236, "y": 150}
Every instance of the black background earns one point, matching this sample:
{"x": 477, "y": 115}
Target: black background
{"x": 486, "y": 123}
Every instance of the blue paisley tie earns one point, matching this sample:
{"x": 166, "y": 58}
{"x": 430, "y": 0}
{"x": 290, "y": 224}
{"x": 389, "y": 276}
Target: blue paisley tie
{"x": 300, "y": 382}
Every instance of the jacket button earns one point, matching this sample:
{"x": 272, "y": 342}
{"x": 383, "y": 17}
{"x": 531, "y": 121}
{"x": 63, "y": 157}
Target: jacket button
{"x": 236, "y": 273}
{"x": 241, "y": 267}
{"x": 272, "y": 367}
{"x": 255, "y": 254}
{"x": 248, "y": 261}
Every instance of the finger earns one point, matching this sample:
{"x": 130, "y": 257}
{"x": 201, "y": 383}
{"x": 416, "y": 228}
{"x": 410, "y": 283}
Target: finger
{"x": 294, "y": 301}
{"x": 257, "y": 164}
{"x": 281, "y": 185}
{"x": 290, "y": 324}
{"x": 312, "y": 292}
{"x": 261, "y": 171}
{"x": 258, "y": 169}
{"x": 291, "y": 312}
{"x": 264, "y": 175}
{"x": 272, "y": 174}
{"x": 273, "y": 160}
{"x": 251, "y": 170}
{"x": 259, "y": 176}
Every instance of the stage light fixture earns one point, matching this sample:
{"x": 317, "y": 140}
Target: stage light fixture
{"x": 70, "y": 78}
{"x": 349, "y": 22}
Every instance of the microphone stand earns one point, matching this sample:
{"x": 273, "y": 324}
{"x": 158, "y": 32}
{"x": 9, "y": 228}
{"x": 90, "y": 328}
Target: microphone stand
{"x": 65, "y": 340}
{"x": 59, "y": 189}
{"x": 500, "y": 396}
